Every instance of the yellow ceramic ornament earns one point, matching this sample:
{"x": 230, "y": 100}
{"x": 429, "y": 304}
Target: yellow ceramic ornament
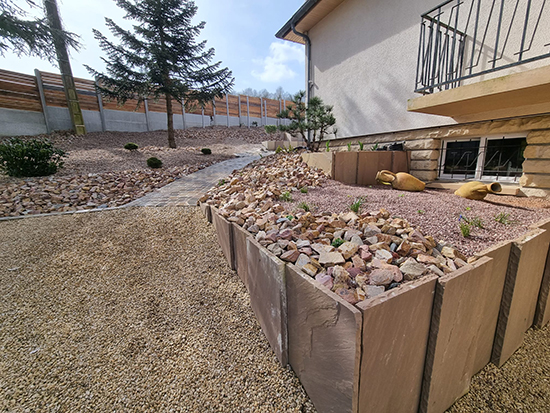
{"x": 477, "y": 190}
{"x": 400, "y": 180}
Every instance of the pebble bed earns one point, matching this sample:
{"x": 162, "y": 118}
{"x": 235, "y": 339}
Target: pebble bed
{"x": 131, "y": 310}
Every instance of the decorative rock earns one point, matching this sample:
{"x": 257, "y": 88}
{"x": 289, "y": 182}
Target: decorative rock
{"x": 436, "y": 270}
{"x": 302, "y": 243}
{"x": 351, "y": 233}
{"x": 371, "y": 240}
{"x": 348, "y": 249}
{"x": 350, "y": 216}
{"x": 358, "y": 262}
{"x": 290, "y": 255}
{"x": 340, "y": 275}
{"x": 320, "y": 248}
{"x": 302, "y": 260}
{"x": 275, "y": 249}
{"x": 412, "y": 269}
{"x": 330, "y": 258}
{"x": 356, "y": 239}
{"x": 349, "y": 295}
{"x": 373, "y": 290}
{"x": 427, "y": 259}
{"x": 371, "y": 230}
{"x": 325, "y": 279}
{"x": 381, "y": 277}
{"x": 353, "y": 271}
{"x": 310, "y": 270}
{"x": 384, "y": 256}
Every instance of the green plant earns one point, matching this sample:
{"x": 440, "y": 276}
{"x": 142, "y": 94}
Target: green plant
{"x": 468, "y": 208}
{"x": 503, "y": 218}
{"x": 286, "y": 196}
{"x": 290, "y": 217}
{"x": 476, "y": 222}
{"x": 336, "y": 242}
{"x": 311, "y": 123}
{"x": 254, "y": 123}
{"x": 130, "y": 146}
{"x": 35, "y": 157}
{"x": 374, "y": 147}
{"x": 206, "y": 151}
{"x": 421, "y": 211}
{"x": 304, "y": 206}
{"x": 401, "y": 195}
{"x": 349, "y": 146}
{"x": 361, "y": 144}
{"x": 221, "y": 182}
{"x": 290, "y": 148}
{"x": 154, "y": 162}
{"x": 271, "y": 129}
{"x": 356, "y": 205}
{"x": 327, "y": 145}
{"x": 303, "y": 190}
{"x": 464, "y": 229}
{"x": 279, "y": 149}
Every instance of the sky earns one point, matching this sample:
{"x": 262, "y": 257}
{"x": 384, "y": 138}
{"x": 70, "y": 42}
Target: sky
{"x": 241, "y": 31}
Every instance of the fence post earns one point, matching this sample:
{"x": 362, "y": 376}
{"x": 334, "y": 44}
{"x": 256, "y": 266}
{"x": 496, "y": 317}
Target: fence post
{"x": 261, "y": 111}
{"x": 284, "y": 108}
{"x": 214, "y": 111}
{"x": 39, "y": 84}
{"x": 147, "y": 115}
{"x": 183, "y": 112}
{"x": 227, "y": 108}
{"x": 247, "y": 112}
{"x": 101, "y": 111}
{"x": 239, "y": 96}
{"x": 202, "y": 113}
{"x": 280, "y": 110}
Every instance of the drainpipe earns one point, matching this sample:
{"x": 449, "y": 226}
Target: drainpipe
{"x": 309, "y": 77}
{"x": 308, "y": 53}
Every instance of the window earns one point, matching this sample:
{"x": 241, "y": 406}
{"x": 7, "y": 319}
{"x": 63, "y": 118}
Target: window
{"x": 487, "y": 158}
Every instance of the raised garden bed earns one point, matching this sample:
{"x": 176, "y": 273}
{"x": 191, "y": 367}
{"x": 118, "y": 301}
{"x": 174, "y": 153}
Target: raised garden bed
{"x": 403, "y": 329}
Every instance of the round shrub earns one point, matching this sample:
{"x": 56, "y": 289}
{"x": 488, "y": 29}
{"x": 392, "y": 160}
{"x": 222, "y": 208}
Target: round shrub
{"x": 130, "y": 146}
{"x": 34, "y": 157}
{"x": 206, "y": 151}
{"x": 154, "y": 162}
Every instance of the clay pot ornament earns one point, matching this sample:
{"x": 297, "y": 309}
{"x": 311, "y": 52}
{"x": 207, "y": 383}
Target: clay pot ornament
{"x": 477, "y": 190}
{"x": 400, "y": 180}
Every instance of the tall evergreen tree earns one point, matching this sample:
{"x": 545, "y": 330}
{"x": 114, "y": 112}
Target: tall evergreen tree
{"x": 31, "y": 37}
{"x": 160, "y": 57}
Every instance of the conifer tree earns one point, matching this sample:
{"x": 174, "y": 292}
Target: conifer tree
{"x": 160, "y": 57}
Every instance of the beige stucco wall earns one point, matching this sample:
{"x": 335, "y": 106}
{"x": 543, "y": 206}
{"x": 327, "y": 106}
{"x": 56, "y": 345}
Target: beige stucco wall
{"x": 364, "y": 58}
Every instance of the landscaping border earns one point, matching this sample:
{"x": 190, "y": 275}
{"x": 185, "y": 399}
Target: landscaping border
{"x": 412, "y": 348}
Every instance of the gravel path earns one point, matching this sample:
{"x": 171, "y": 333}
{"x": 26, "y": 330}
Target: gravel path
{"x": 130, "y": 310}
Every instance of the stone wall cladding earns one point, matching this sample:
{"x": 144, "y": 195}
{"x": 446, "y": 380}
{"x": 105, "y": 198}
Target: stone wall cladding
{"x": 536, "y": 167}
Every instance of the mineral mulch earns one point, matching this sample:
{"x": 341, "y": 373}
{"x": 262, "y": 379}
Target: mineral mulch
{"x": 130, "y": 310}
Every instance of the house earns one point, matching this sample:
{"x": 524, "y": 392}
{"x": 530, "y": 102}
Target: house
{"x": 465, "y": 84}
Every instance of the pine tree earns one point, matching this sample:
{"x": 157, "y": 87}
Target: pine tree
{"x": 159, "y": 57}
{"x": 31, "y": 37}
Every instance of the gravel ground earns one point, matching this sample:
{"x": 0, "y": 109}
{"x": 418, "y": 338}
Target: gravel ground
{"x": 521, "y": 385}
{"x": 130, "y": 310}
{"x": 435, "y": 212}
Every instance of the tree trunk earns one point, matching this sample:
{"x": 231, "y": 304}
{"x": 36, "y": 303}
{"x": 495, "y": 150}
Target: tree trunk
{"x": 170, "y": 114}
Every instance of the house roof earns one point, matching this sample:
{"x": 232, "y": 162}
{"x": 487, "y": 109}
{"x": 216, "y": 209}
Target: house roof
{"x": 307, "y": 16}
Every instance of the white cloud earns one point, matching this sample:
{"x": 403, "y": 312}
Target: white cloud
{"x": 276, "y": 66}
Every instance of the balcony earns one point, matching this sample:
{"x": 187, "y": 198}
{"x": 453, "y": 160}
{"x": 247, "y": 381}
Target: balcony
{"x": 484, "y": 59}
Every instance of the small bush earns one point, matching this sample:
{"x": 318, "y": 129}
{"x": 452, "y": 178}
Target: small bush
{"x": 349, "y": 147}
{"x": 327, "y": 145}
{"x": 303, "y": 190}
{"x": 286, "y": 196}
{"x": 336, "y": 242}
{"x": 356, "y": 205}
{"x": 279, "y": 149}
{"x": 361, "y": 145}
{"x": 35, "y": 157}
{"x": 130, "y": 146}
{"x": 206, "y": 151}
{"x": 304, "y": 206}
{"x": 271, "y": 129}
{"x": 154, "y": 163}
{"x": 465, "y": 229}
{"x": 503, "y": 218}
{"x": 221, "y": 182}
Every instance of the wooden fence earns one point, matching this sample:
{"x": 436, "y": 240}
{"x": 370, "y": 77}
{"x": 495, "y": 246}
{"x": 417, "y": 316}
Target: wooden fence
{"x": 45, "y": 90}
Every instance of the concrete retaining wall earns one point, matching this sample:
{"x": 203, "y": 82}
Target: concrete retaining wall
{"x": 21, "y": 122}
{"x": 412, "y": 348}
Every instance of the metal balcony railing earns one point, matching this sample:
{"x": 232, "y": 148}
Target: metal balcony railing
{"x": 461, "y": 39}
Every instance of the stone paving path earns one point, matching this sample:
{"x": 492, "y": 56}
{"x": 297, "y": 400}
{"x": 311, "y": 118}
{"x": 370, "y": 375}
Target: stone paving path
{"x": 188, "y": 189}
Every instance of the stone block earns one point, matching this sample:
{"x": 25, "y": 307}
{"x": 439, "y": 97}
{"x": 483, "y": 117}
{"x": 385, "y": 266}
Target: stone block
{"x": 424, "y": 165}
{"x": 206, "y": 211}
{"x": 538, "y": 136}
{"x": 324, "y": 342}
{"x": 536, "y": 165}
{"x": 321, "y": 160}
{"x": 369, "y": 163}
{"x": 425, "y": 176}
{"x": 541, "y": 181}
{"x": 394, "y": 340}
{"x": 536, "y": 152}
{"x": 425, "y": 155}
{"x": 240, "y": 236}
{"x": 422, "y": 144}
{"x": 267, "y": 288}
{"x": 224, "y": 232}
{"x": 456, "y": 324}
{"x": 534, "y": 192}
{"x": 521, "y": 293}
{"x": 500, "y": 254}
{"x": 345, "y": 167}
